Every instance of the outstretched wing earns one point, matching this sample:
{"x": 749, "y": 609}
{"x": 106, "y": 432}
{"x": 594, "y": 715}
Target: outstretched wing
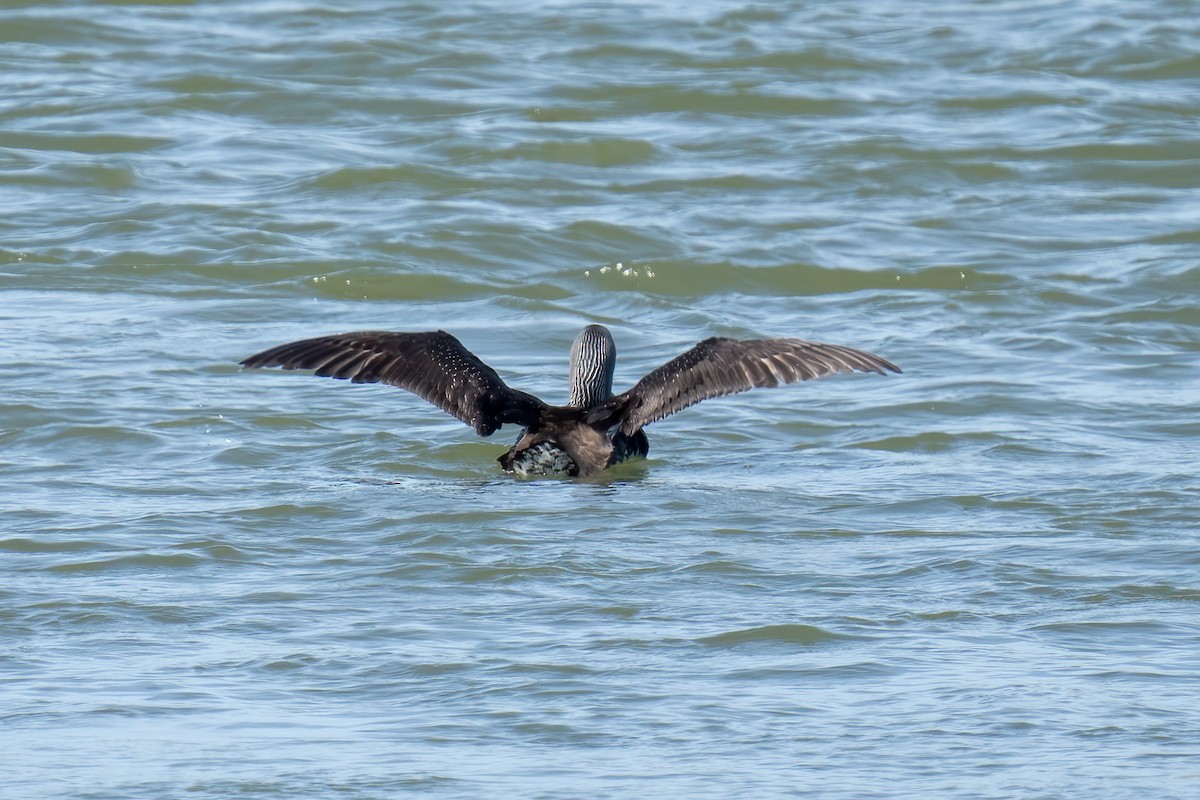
{"x": 721, "y": 366}
{"x": 433, "y": 365}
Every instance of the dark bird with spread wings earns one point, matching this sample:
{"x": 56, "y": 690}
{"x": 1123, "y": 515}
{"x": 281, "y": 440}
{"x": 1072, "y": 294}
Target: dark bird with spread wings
{"x": 596, "y": 428}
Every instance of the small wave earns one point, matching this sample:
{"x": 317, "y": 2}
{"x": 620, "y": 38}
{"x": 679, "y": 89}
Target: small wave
{"x": 21, "y": 544}
{"x": 137, "y": 561}
{"x": 782, "y": 634}
{"x": 595, "y": 152}
{"x": 690, "y": 279}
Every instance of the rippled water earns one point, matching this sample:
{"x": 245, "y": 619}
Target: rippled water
{"x": 976, "y": 579}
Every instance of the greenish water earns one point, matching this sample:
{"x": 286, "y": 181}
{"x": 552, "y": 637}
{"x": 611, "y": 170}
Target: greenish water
{"x": 977, "y": 579}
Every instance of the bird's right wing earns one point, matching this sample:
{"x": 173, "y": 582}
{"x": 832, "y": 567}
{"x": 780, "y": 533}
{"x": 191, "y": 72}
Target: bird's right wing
{"x": 719, "y": 366}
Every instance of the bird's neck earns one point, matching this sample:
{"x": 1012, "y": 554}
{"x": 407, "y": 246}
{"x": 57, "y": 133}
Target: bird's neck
{"x": 590, "y": 388}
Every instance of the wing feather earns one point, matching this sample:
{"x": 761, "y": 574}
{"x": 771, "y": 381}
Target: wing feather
{"x": 433, "y": 365}
{"x": 720, "y": 366}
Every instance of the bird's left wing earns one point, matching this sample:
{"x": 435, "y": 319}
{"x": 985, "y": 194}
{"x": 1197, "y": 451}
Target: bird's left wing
{"x": 433, "y": 365}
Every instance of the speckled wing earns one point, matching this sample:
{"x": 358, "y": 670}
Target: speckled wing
{"x": 432, "y": 365}
{"x": 719, "y": 366}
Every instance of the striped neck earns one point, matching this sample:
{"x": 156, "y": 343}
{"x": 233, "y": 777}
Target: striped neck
{"x": 593, "y": 359}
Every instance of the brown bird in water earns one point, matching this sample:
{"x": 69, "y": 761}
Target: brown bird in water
{"x": 596, "y": 428}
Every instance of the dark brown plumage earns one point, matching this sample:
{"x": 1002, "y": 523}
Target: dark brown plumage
{"x": 576, "y": 439}
{"x": 434, "y": 366}
{"x": 719, "y": 366}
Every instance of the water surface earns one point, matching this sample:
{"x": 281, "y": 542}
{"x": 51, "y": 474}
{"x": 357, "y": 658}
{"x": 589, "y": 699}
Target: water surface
{"x": 973, "y": 580}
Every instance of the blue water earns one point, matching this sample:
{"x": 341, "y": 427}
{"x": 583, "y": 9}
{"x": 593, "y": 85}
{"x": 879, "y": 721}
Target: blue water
{"x": 977, "y": 579}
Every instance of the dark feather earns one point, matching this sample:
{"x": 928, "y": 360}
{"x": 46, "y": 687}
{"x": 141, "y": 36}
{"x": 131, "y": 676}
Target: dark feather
{"x": 720, "y": 366}
{"x": 434, "y": 366}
